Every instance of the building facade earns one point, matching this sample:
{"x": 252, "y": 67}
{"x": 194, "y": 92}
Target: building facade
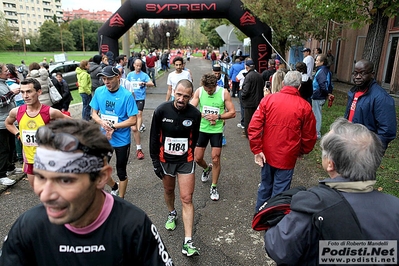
{"x": 26, "y": 16}
{"x": 101, "y": 16}
{"x": 348, "y": 49}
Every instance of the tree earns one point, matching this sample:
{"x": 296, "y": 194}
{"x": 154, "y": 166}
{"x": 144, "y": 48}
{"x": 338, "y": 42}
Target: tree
{"x": 155, "y": 36}
{"x": 359, "y": 13}
{"x": 7, "y": 38}
{"x": 291, "y": 23}
{"x": 190, "y": 35}
{"x": 208, "y": 29}
{"x": 83, "y": 29}
{"x": 49, "y": 36}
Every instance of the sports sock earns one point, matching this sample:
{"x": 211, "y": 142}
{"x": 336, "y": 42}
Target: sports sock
{"x": 214, "y": 185}
{"x": 115, "y": 187}
{"x": 138, "y": 147}
{"x": 186, "y": 239}
{"x": 174, "y": 212}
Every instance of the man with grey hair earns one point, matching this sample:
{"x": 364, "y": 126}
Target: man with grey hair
{"x": 282, "y": 128}
{"x": 351, "y": 155}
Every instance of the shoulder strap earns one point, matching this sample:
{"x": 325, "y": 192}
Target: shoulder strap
{"x": 21, "y": 112}
{"x": 45, "y": 113}
{"x": 337, "y": 221}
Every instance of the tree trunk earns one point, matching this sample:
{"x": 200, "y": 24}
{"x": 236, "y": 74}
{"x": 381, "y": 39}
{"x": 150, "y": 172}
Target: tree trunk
{"x": 375, "y": 38}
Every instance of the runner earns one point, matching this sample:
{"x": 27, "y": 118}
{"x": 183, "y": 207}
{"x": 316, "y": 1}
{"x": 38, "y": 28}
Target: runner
{"x": 215, "y": 106}
{"x": 139, "y": 81}
{"x": 115, "y": 110}
{"x": 223, "y": 82}
{"x": 77, "y": 223}
{"x": 30, "y": 116}
{"x": 174, "y": 132}
{"x": 175, "y": 76}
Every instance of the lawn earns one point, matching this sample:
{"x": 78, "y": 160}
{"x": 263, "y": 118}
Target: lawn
{"x": 387, "y": 174}
{"x": 30, "y": 57}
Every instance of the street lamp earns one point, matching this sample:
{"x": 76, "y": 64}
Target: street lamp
{"x": 62, "y": 42}
{"x": 167, "y": 37}
{"x": 22, "y": 31}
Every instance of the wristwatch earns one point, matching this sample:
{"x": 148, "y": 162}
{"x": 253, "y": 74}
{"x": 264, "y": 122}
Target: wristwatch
{"x": 219, "y": 117}
{"x": 113, "y": 127}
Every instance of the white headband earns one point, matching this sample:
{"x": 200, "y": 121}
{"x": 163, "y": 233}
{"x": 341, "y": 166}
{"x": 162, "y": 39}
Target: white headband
{"x": 66, "y": 162}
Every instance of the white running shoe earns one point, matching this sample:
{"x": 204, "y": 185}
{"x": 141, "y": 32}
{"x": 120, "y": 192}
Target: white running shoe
{"x": 206, "y": 173}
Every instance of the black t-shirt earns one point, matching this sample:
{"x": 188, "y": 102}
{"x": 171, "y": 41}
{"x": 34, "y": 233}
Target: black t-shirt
{"x": 127, "y": 237}
{"x": 177, "y": 126}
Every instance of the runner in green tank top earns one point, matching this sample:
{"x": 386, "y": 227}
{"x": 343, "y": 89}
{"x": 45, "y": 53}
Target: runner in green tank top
{"x": 215, "y": 105}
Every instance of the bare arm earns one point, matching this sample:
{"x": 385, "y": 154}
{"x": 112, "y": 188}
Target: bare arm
{"x": 56, "y": 114}
{"x": 195, "y": 99}
{"x": 169, "y": 92}
{"x": 11, "y": 118}
{"x": 229, "y": 106}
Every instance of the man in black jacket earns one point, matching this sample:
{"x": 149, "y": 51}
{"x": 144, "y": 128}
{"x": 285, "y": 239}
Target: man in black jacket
{"x": 251, "y": 92}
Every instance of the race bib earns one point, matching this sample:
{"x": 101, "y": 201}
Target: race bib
{"x": 110, "y": 118}
{"x": 135, "y": 85}
{"x": 29, "y": 138}
{"x": 176, "y": 146}
{"x": 209, "y": 110}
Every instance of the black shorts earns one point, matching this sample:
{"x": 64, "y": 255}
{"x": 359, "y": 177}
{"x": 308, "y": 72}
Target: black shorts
{"x": 173, "y": 169}
{"x": 140, "y": 104}
{"x": 214, "y": 138}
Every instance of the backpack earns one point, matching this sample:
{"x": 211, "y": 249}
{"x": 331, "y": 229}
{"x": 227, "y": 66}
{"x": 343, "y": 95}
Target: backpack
{"x": 273, "y": 210}
{"x": 324, "y": 219}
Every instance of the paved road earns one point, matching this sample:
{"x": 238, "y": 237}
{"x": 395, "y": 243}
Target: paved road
{"x": 222, "y": 230}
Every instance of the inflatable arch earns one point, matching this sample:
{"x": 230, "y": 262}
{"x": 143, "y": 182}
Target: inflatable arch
{"x": 133, "y": 10}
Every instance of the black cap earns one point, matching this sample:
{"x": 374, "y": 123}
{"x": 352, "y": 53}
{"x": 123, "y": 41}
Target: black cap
{"x": 306, "y": 50}
{"x": 109, "y": 72}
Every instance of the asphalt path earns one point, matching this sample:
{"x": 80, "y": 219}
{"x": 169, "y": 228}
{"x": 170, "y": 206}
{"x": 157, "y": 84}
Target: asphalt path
{"x": 222, "y": 229}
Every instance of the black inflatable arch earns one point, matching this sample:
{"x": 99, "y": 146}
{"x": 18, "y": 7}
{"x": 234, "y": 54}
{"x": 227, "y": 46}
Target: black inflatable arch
{"x": 131, "y": 11}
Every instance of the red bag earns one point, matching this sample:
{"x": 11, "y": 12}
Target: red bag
{"x": 66, "y": 113}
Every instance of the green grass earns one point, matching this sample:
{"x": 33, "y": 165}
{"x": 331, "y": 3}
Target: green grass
{"x": 16, "y": 57}
{"x": 76, "y": 97}
{"x": 387, "y": 174}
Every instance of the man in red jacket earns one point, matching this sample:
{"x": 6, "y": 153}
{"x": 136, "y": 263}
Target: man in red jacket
{"x": 282, "y": 129}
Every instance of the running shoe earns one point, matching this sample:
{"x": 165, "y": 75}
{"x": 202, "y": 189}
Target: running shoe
{"x": 189, "y": 249}
{"x": 214, "y": 193}
{"x": 240, "y": 126}
{"x": 116, "y": 191}
{"x": 142, "y": 128}
{"x": 139, "y": 154}
{"x": 171, "y": 222}
{"x": 206, "y": 173}
{"x": 16, "y": 171}
{"x": 224, "y": 141}
{"x": 7, "y": 181}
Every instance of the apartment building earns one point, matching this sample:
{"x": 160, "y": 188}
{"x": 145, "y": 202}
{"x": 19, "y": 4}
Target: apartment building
{"x": 26, "y": 16}
{"x": 101, "y": 16}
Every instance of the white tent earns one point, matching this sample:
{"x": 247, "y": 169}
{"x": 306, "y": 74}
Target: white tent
{"x": 229, "y": 37}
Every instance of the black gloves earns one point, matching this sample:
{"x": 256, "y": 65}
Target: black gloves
{"x": 158, "y": 169}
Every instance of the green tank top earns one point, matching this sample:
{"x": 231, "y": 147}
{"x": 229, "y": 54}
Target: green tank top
{"x": 211, "y": 104}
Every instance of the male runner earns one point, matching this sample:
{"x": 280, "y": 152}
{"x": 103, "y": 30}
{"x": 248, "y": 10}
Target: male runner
{"x": 215, "y": 106}
{"x": 139, "y": 81}
{"x": 115, "y": 110}
{"x": 30, "y": 116}
{"x": 174, "y": 132}
{"x": 223, "y": 82}
{"x": 175, "y": 76}
{"x": 77, "y": 223}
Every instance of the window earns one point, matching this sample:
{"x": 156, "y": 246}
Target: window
{"x": 396, "y": 22}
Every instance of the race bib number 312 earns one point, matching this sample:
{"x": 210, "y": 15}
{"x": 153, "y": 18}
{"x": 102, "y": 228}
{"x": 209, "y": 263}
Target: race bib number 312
{"x": 176, "y": 146}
